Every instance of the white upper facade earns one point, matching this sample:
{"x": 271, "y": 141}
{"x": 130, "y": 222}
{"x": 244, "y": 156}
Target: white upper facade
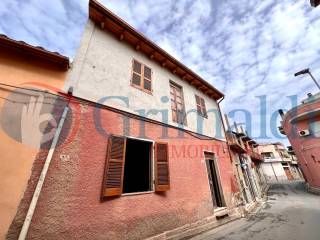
{"x": 102, "y": 72}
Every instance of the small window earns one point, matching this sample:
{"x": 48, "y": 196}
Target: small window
{"x": 141, "y": 76}
{"x": 201, "y": 107}
{"x": 177, "y": 104}
{"x": 268, "y": 155}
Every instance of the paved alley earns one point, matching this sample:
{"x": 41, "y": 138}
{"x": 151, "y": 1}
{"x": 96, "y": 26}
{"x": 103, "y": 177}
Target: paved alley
{"x": 290, "y": 213}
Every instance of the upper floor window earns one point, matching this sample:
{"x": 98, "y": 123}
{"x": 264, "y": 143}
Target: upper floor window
{"x": 141, "y": 76}
{"x": 268, "y": 154}
{"x": 177, "y": 104}
{"x": 201, "y": 107}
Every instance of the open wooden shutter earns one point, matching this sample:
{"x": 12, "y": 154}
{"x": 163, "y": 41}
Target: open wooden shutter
{"x": 114, "y": 169}
{"x": 162, "y": 179}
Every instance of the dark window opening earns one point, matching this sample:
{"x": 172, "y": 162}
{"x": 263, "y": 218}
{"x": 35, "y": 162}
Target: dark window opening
{"x": 214, "y": 181}
{"x": 137, "y": 168}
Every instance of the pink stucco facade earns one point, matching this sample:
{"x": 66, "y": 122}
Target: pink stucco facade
{"x": 70, "y": 206}
{"x": 306, "y": 118}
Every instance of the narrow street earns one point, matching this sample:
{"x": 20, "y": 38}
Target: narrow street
{"x": 289, "y": 213}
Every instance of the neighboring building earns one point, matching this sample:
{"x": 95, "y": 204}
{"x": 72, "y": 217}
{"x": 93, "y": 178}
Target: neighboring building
{"x": 315, "y": 3}
{"x": 147, "y": 151}
{"x": 246, "y": 158}
{"x": 278, "y": 164}
{"x": 302, "y": 127}
{"x": 295, "y": 169}
{"x": 21, "y": 67}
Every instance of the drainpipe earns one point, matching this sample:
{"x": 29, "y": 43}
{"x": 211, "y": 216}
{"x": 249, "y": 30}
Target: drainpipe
{"x": 224, "y": 128}
{"x": 36, "y": 194}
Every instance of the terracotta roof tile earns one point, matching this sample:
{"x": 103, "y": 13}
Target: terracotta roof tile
{"x": 35, "y": 51}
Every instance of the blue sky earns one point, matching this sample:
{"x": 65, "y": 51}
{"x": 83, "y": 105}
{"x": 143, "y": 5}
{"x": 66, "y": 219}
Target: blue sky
{"x": 245, "y": 48}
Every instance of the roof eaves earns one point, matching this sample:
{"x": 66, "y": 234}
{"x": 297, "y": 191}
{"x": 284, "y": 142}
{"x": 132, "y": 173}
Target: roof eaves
{"x": 40, "y": 52}
{"x": 107, "y": 13}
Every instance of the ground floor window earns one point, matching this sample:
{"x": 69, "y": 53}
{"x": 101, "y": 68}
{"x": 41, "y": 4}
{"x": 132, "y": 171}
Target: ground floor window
{"x": 137, "y": 167}
{"x": 134, "y": 166}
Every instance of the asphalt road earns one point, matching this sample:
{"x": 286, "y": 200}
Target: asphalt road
{"x": 290, "y": 213}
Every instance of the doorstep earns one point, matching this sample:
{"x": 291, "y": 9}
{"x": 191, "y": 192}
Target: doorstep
{"x": 190, "y": 230}
{"x": 221, "y": 212}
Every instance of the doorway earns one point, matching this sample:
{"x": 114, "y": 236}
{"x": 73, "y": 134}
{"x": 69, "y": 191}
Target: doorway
{"x": 214, "y": 181}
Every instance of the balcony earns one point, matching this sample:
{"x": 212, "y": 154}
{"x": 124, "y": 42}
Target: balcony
{"x": 272, "y": 159}
{"x": 255, "y": 156}
{"x": 234, "y": 143}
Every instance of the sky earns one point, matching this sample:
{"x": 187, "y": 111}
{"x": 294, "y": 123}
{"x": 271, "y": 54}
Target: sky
{"x": 248, "y": 49}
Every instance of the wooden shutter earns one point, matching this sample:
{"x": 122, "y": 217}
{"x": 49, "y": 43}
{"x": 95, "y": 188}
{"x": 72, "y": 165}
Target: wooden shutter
{"x": 114, "y": 169}
{"x": 203, "y": 106}
{"x": 177, "y": 104}
{"x": 136, "y": 73}
{"x": 147, "y": 73}
{"x": 141, "y": 76}
{"x": 198, "y": 102}
{"x": 162, "y": 179}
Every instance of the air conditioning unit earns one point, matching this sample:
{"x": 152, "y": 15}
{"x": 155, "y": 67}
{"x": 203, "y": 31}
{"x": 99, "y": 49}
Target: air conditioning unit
{"x": 304, "y": 133}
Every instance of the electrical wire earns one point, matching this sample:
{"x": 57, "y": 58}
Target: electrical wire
{"x": 78, "y": 100}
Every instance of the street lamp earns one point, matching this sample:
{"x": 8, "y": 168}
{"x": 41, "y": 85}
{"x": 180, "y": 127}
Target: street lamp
{"x": 314, "y": 3}
{"x": 307, "y": 71}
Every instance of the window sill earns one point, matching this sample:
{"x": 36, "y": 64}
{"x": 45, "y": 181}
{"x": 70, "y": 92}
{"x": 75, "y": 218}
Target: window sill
{"x": 203, "y": 116}
{"x": 136, "y": 193}
{"x": 142, "y": 89}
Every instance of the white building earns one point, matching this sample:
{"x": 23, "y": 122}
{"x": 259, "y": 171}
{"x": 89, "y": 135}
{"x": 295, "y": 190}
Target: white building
{"x": 278, "y": 164}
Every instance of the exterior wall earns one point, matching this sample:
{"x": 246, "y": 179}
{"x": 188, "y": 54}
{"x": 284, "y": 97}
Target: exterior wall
{"x": 270, "y": 148}
{"x": 274, "y": 172}
{"x": 253, "y": 177}
{"x": 243, "y": 193}
{"x": 70, "y": 207}
{"x": 102, "y": 68}
{"x": 307, "y": 149}
{"x": 17, "y": 157}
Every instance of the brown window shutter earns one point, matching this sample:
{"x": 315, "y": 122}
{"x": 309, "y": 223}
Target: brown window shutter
{"x": 162, "y": 179}
{"x": 113, "y": 176}
{"x": 204, "y": 109}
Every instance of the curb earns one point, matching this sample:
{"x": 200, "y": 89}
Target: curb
{"x": 190, "y": 230}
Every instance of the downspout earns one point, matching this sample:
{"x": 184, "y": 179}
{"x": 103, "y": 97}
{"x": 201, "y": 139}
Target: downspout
{"x": 36, "y": 194}
{"x": 224, "y": 129}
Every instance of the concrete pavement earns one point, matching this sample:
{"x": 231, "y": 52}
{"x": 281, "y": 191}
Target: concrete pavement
{"x": 289, "y": 213}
